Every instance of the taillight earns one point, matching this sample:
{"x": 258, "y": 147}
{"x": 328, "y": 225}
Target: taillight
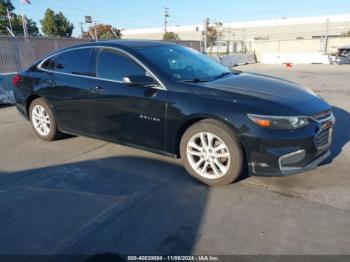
{"x": 15, "y": 80}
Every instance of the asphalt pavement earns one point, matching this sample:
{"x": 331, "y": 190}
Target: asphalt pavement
{"x": 84, "y": 196}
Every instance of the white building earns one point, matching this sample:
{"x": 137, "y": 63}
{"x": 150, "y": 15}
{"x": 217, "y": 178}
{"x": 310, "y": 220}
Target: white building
{"x": 274, "y": 29}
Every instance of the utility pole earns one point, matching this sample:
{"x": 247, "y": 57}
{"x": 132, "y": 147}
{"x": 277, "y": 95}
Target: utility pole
{"x": 206, "y": 24}
{"x": 166, "y": 15}
{"x": 244, "y": 47}
{"x": 24, "y": 22}
{"x": 94, "y": 22}
{"x": 326, "y": 37}
{"x": 10, "y": 31}
{"x": 96, "y": 37}
{"x": 9, "y": 18}
{"x": 81, "y": 29}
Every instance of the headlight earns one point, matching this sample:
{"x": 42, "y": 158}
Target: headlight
{"x": 279, "y": 122}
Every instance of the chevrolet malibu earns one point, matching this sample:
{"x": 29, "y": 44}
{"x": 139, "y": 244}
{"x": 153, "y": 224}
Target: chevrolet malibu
{"x": 175, "y": 101}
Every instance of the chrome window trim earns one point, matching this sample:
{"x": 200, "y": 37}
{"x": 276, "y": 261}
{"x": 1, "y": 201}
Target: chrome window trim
{"x": 137, "y": 61}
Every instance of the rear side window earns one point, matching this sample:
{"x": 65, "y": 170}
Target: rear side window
{"x": 76, "y": 62}
{"x": 113, "y": 65}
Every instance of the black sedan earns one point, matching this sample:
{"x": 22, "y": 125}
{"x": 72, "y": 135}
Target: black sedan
{"x": 175, "y": 101}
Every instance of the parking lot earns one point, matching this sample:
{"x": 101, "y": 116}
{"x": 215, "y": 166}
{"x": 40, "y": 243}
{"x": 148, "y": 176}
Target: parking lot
{"x": 85, "y": 196}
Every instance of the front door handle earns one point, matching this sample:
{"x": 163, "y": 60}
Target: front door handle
{"x": 51, "y": 82}
{"x": 97, "y": 90}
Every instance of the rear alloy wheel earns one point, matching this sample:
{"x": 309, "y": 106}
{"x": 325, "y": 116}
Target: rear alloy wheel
{"x": 42, "y": 120}
{"x": 211, "y": 153}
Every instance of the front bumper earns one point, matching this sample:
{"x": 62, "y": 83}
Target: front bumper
{"x": 282, "y": 153}
{"x": 263, "y": 169}
{"x": 312, "y": 165}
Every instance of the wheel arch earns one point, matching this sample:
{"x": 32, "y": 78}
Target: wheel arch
{"x": 30, "y": 99}
{"x": 193, "y": 119}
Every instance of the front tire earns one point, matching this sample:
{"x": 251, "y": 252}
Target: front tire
{"x": 211, "y": 153}
{"x": 42, "y": 120}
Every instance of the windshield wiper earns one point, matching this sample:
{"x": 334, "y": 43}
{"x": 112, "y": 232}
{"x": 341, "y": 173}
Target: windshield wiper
{"x": 195, "y": 80}
{"x": 222, "y": 75}
{"x": 198, "y": 80}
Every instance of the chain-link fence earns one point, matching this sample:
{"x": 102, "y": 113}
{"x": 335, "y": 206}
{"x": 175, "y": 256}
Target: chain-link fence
{"x": 18, "y": 53}
{"x": 10, "y": 57}
{"x": 196, "y": 45}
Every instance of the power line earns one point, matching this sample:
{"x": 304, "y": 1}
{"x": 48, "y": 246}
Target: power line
{"x": 110, "y": 15}
{"x": 127, "y": 12}
{"x": 126, "y": 17}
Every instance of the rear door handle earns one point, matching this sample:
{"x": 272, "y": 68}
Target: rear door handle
{"x": 97, "y": 90}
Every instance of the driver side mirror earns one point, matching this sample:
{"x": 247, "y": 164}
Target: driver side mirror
{"x": 139, "y": 80}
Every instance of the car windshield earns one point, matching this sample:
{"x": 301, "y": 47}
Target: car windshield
{"x": 183, "y": 64}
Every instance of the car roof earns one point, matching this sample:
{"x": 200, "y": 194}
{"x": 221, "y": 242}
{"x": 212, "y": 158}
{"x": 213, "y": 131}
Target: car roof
{"x": 121, "y": 44}
{"x": 124, "y": 44}
{"x": 345, "y": 47}
{"x": 135, "y": 43}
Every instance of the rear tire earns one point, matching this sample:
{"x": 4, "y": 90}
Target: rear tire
{"x": 211, "y": 153}
{"x": 42, "y": 120}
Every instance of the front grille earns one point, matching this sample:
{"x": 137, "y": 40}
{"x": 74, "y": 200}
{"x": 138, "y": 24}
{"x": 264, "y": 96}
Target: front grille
{"x": 325, "y": 121}
{"x": 323, "y": 138}
{"x": 322, "y": 116}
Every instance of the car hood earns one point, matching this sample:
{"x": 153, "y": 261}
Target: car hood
{"x": 263, "y": 87}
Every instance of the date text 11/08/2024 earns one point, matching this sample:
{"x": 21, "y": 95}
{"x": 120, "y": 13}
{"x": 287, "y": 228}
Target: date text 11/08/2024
{"x": 173, "y": 258}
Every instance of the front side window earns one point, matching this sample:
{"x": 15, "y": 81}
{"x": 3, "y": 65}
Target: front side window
{"x": 113, "y": 65}
{"x": 76, "y": 62}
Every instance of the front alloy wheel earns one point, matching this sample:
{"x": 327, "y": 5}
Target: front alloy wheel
{"x": 211, "y": 153}
{"x": 208, "y": 155}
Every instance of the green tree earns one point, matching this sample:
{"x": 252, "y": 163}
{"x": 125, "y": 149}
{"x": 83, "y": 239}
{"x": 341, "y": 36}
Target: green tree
{"x": 104, "y": 32}
{"x": 56, "y": 24}
{"x": 16, "y": 21}
{"x": 48, "y": 24}
{"x": 64, "y": 27}
{"x": 3, "y": 16}
{"x": 170, "y": 36}
{"x": 17, "y": 26}
{"x": 214, "y": 32}
{"x": 5, "y": 4}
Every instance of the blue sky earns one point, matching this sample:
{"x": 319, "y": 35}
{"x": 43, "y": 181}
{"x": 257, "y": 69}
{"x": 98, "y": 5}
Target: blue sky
{"x": 127, "y": 14}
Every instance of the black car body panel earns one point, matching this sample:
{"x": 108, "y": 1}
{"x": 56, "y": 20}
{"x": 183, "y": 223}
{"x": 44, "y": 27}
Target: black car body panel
{"x": 155, "y": 118}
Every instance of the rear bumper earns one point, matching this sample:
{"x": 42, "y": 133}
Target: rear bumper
{"x": 22, "y": 110}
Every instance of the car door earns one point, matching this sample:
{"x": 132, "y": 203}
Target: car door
{"x": 132, "y": 115}
{"x": 67, "y": 81}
